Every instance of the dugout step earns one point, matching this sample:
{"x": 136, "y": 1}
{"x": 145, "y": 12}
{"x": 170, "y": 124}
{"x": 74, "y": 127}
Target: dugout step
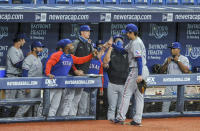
{"x": 30, "y": 101}
{"x": 71, "y": 118}
{"x": 22, "y": 119}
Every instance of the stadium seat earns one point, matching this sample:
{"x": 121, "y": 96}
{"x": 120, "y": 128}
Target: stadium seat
{"x": 158, "y": 2}
{"x": 126, "y": 1}
{"x": 79, "y": 1}
{"x": 94, "y": 1}
{"x": 142, "y": 2}
{"x": 40, "y": 2}
{"x": 110, "y": 1}
{"x": 27, "y": 2}
{"x": 62, "y": 1}
{"x": 198, "y": 2}
{"x": 188, "y": 2}
{"x": 172, "y": 2}
{"x": 4, "y": 1}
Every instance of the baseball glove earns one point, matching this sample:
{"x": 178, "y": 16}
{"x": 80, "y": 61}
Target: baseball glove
{"x": 142, "y": 86}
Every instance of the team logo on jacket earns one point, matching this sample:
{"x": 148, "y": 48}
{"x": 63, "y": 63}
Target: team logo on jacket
{"x": 51, "y": 82}
{"x": 67, "y": 63}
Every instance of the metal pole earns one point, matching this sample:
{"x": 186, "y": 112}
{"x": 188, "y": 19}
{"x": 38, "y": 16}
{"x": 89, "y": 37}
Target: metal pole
{"x": 180, "y": 99}
{"x": 93, "y": 99}
{"x": 46, "y": 102}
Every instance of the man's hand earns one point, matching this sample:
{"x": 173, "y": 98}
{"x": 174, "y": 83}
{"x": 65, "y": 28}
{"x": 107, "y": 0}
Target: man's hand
{"x": 110, "y": 48}
{"x": 79, "y": 73}
{"x": 176, "y": 59}
{"x": 95, "y": 53}
{"x": 110, "y": 42}
{"x": 139, "y": 79}
{"x": 51, "y": 76}
{"x": 169, "y": 59}
{"x": 89, "y": 41}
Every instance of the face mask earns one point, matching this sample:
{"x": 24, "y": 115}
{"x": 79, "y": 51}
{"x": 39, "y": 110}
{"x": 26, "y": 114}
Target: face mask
{"x": 98, "y": 48}
{"x": 39, "y": 53}
{"x": 119, "y": 44}
{"x": 71, "y": 51}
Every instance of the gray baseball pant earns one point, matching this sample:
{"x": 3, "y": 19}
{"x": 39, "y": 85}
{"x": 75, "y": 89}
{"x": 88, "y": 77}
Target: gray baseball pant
{"x": 131, "y": 88}
{"x": 34, "y": 93}
{"x": 114, "y": 95}
{"x": 168, "y": 92}
{"x": 55, "y": 97}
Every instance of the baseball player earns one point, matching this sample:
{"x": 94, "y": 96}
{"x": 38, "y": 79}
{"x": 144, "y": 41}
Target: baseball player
{"x": 117, "y": 72}
{"x": 96, "y": 67}
{"x": 138, "y": 72}
{"x": 31, "y": 67}
{"x": 82, "y": 47}
{"x": 14, "y": 61}
{"x": 175, "y": 64}
{"x": 59, "y": 64}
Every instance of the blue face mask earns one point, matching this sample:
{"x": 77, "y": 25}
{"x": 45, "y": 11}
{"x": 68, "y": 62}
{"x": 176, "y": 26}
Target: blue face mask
{"x": 98, "y": 48}
{"x": 119, "y": 44}
{"x": 39, "y": 53}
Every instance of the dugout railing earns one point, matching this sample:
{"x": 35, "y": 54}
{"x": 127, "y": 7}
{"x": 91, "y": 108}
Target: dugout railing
{"x": 91, "y": 82}
{"x": 173, "y": 80}
{"x": 46, "y": 84}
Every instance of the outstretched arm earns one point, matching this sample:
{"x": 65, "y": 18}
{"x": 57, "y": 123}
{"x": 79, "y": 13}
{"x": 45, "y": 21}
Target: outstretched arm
{"x": 81, "y": 60}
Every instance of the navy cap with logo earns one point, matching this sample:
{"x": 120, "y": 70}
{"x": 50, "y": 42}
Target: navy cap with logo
{"x": 64, "y": 42}
{"x": 85, "y": 28}
{"x": 118, "y": 36}
{"x": 21, "y": 36}
{"x": 130, "y": 28}
{"x": 36, "y": 44}
{"x": 99, "y": 42}
{"x": 175, "y": 45}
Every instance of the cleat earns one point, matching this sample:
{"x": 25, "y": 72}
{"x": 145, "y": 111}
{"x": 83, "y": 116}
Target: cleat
{"x": 133, "y": 123}
{"x": 116, "y": 121}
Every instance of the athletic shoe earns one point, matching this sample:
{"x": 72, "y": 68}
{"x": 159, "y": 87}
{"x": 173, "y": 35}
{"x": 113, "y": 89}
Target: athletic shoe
{"x": 133, "y": 123}
{"x": 116, "y": 121}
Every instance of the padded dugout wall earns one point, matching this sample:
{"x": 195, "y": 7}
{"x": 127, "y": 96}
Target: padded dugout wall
{"x": 157, "y": 37}
{"x": 189, "y": 36}
{"x": 47, "y": 33}
{"x": 7, "y": 34}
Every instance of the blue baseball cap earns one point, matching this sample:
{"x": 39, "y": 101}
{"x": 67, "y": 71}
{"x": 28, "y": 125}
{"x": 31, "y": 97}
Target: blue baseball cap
{"x": 85, "y": 28}
{"x": 99, "y": 42}
{"x": 64, "y": 42}
{"x": 36, "y": 44}
{"x": 130, "y": 28}
{"x": 175, "y": 45}
{"x": 21, "y": 36}
{"x": 118, "y": 36}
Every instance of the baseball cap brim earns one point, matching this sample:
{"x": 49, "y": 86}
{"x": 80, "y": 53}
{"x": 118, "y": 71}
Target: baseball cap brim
{"x": 124, "y": 31}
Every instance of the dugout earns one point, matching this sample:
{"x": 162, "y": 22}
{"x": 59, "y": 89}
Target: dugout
{"x": 158, "y": 26}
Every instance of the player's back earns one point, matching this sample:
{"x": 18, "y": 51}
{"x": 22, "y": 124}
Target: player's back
{"x": 14, "y": 56}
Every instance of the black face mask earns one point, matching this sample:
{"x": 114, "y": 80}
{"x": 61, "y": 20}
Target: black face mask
{"x": 71, "y": 51}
